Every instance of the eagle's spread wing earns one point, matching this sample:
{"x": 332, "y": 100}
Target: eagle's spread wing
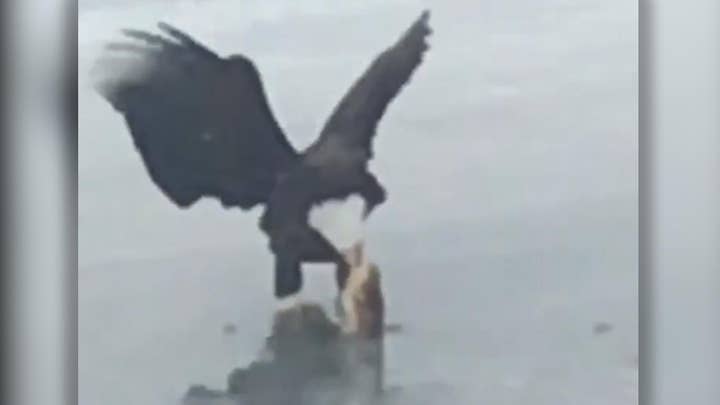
{"x": 347, "y": 135}
{"x": 202, "y": 123}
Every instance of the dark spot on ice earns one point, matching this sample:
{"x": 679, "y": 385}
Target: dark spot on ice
{"x": 602, "y": 328}
{"x": 391, "y": 328}
{"x": 229, "y": 329}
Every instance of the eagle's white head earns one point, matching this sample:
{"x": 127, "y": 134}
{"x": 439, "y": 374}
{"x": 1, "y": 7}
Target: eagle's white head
{"x": 341, "y": 222}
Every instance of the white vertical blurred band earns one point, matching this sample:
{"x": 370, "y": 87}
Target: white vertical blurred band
{"x": 686, "y": 197}
{"x": 36, "y": 199}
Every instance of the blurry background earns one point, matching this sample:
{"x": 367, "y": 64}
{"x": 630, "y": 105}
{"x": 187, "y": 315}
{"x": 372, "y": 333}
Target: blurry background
{"x": 509, "y": 239}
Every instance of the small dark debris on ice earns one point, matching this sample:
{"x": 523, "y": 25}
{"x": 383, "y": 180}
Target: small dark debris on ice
{"x": 229, "y": 329}
{"x": 601, "y": 328}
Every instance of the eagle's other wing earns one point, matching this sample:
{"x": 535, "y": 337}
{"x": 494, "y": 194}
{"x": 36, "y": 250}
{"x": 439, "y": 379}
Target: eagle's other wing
{"x": 348, "y": 133}
{"x": 201, "y": 123}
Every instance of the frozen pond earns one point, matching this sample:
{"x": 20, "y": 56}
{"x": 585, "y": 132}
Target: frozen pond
{"x": 510, "y": 231}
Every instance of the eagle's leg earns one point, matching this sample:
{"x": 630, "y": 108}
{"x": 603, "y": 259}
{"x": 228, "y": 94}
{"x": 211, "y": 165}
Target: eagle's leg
{"x": 317, "y": 249}
{"x": 342, "y": 273}
{"x": 296, "y": 246}
{"x": 288, "y": 279}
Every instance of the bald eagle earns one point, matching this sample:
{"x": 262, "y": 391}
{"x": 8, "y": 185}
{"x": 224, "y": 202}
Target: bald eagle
{"x": 203, "y": 127}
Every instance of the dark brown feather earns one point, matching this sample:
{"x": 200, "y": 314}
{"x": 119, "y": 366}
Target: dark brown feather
{"x": 347, "y": 135}
{"x": 201, "y": 123}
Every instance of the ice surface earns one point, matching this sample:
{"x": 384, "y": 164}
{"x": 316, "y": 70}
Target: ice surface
{"x": 510, "y": 229}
